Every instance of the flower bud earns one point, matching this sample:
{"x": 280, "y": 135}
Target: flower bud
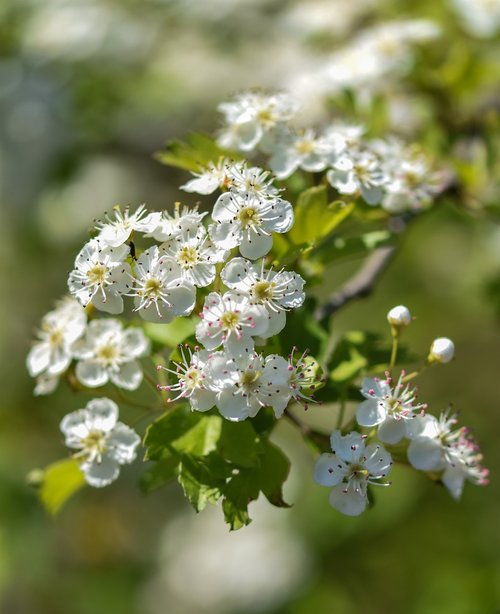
{"x": 442, "y": 350}
{"x": 399, "y": 316}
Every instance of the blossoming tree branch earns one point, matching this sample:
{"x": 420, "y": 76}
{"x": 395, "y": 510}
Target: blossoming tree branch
{"x": 209, "y": 309}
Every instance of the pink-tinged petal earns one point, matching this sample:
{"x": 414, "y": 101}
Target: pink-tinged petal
{"x": 347, "y": 500}
{"x": 391, "y": 430}
{"x": 328, "y": 471}
{"x": 425, "y": 454}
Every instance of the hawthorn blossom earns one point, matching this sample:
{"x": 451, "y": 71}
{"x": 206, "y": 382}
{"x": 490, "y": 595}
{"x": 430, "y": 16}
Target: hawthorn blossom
{"x": 388, "y": 407}
{"x": 277, "y": 291}
{"x": 213, "y": 177}
{"x": 350, "y": 468}
{"x": 114, "y": 233}
{"x": 247, "y": 383}
{"x": 399, "y": 316}
{"x": 248, "y": 222}
{"x": 100, "y": 276}
{"x": 303, "y": 150}
{"x": 52, "y": 353}
{"x": 480, "y": 18}
{"x": 193, "y": 378}
{"x": 230, "y": 320}
{"x": 159, "y": 289}
{"x": 360, "y": 172}
{"x": 182, "y": 220}
{"x": 251, "y": 116}
{"x": 253, "y": 181}
{"x": 195, "y": 254}
{"x": 435, "y": 446}
{"x": 102, "y": 443}
{"x": 442, "y": 350}
{"x": 108, "y": 352}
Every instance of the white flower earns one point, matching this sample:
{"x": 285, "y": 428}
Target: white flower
{"x": 304, "y": 150}
{"x": 253, "y": 181}
{"x": 387, "y": 407}
{"x": 114, "y": 233}
{"x": 250, "y": 116}
{"x": 231, "y": 320}
{"x": 182, "y": 220}
{"x": 213, "y": 177}
{"x": 108, "y": 352}
{"x": 349, "y": 469}
{"x": 160, "y": 292}
{"x": 277, "y": 291}
{"x": 196, "y": 256}
{"x": 360, "y": 172}
{"x": 435, "y": 446}
{"x": 102, "y": 442}
{"x": 100, "y": 276}
{"x": 399, "y": 316}
{"x": 52, "y": 353}
{"x": 442, "y": 350}
{"x": 249, "y": 222}
{"x": 248, "y": 383}
{"x": 480, "y": 18}
{"x": 193, "y": 378}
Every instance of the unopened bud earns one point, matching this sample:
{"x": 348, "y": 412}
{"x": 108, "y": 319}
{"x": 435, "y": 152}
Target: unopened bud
{"x": 399, "y": 316}
{"x": 442, "y": 350}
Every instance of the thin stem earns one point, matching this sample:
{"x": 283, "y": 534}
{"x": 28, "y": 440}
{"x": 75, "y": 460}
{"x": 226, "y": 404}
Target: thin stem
{"x": 340, "y": 417}
{"x": 394, "y": 351}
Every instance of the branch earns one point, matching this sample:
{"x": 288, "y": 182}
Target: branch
{"x": 361, "y": 284}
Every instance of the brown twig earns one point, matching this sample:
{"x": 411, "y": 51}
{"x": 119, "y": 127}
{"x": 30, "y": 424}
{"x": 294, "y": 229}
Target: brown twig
{"x": 361, "y": 284}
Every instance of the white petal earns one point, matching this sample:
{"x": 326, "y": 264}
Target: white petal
{"x": 101, "y": 474}
{"x": 370, "y": 413}
{"x": 276, "y": 322}
{"x": 255, "y": 245}
{"x": 282, "y": 214}
{"x": 234, "y": 407}
{"x": 91, "y": 374}
{"x": 328, "y": 471}
{"x": 135, "y": 343}
{"x": 238, "y": 347}
{"x": 75, "y": 426}
{"x": 103, "y": 413}
{"x": 348, "y": 447}
{"x": 236, "y": 273}
{"x": 122, "y": 443}
{"x": 425, "y": 454}
{"x": 453, "y": 478}
{"x": 202, "y": 400}
{"x": 204, "y": 184}
{"x": 223, "y": 210}
{"x": 377, "y": 460}
{"x": 347, "y": 500}
{"x": 422, "y": 426}
{"x": 128, "y": 376}
{"x": 38, "y": 359}
{"x": 225, "y": 235}
{"x": 111, "y": 303}
{"x": 391, "y": 430}
{"x": 372, "y": 195}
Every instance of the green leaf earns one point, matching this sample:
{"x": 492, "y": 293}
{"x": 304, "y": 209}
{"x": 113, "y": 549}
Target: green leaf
{"x": 194, "y": 153}
{"x": 239, "y": 443}
{"x": 159, "y": 474}
{"x": 315, "y": 218}
{"x": 200, "y": 482}
{"x": 273, "y": 471}
{"x": 184, "y": 432}
{"x": 61, "y": 480}
{"x": 235, "y": 515}
{"x": 303, "y": 331}
{"x": 173, "y": 333}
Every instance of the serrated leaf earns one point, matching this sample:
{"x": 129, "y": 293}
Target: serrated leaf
{"x": 235, "y": 516}
{"x": 239, "y": 443}
{"x": 315, "y": 218}
{"x": 183, "y": 431}
{"x": 159, "y": 474}
{"x": 273, "y": 472}
{"x": 194, "y": 153}
{"x": 61, "y": 480}
{"x": 199, "y": 481}
{"x": 173, "y": 333}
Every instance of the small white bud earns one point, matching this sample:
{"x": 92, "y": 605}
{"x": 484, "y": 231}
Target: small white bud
{"x": 399, "y": 316}
{"x": 442, "y": 350}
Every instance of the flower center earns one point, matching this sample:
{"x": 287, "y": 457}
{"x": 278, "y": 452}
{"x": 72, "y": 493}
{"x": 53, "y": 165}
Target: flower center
{"x": 97, "y": 274}
{"x": 152, "y": 287}
{"x": 358, "y": 471}
{"x": 250, "y": 378}
{"x": 265, "y": 116}
{"x": 305, "y": 147}
{"x": 248, "y": 217}
{"x": 187, "y": 256}
{"x": 55, "y": 338}
{"x": 94, "y": 442}
{"x": 192, "y": 378}
{"x": 263, "y": 290}
{"x": 230, "y": 319}
{"x": 107, "y": 354}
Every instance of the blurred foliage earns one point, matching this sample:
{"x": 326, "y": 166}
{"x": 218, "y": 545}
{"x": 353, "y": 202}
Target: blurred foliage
{"x": 89, "y": 90}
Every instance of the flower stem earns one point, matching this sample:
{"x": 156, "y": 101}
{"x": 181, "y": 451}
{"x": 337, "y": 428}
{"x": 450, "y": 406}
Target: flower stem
{"x": 394, "y": 351}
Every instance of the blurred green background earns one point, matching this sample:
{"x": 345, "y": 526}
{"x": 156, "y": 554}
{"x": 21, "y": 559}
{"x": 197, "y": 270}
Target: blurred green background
{"x": 89, "y": 89}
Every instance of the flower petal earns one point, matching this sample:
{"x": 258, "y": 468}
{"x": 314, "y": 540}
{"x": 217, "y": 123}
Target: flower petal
{"x": 91, "y": 374}
{"x": 328, "y": 471}
{"x": 347, "y": 500}
{"x": 101, "y": 474}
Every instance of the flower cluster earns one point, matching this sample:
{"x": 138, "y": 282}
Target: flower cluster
{"x": 385, "y": 172}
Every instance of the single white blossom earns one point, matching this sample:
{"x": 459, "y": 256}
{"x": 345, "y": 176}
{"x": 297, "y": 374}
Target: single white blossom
{"x": 213, "y": 177}
{"x": 100, "y": 276}
{"x": 109, "y": 352}
{"x": 102, "y": 443}
{"x": 231, "y": 320}
{"x": 359, "y": 173}
{"x": 114, "y": 233}
{"x": 350, "y": 468}
{"x": 183, "y": 220}
{"x": 248, "y": 222}
{"x": 277, "y": 291}
{"x": 388, "y": 407}
{"x": 303, "y": 150}
{"x": 52, "y": 353}
{"x": 159, "y": 289}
